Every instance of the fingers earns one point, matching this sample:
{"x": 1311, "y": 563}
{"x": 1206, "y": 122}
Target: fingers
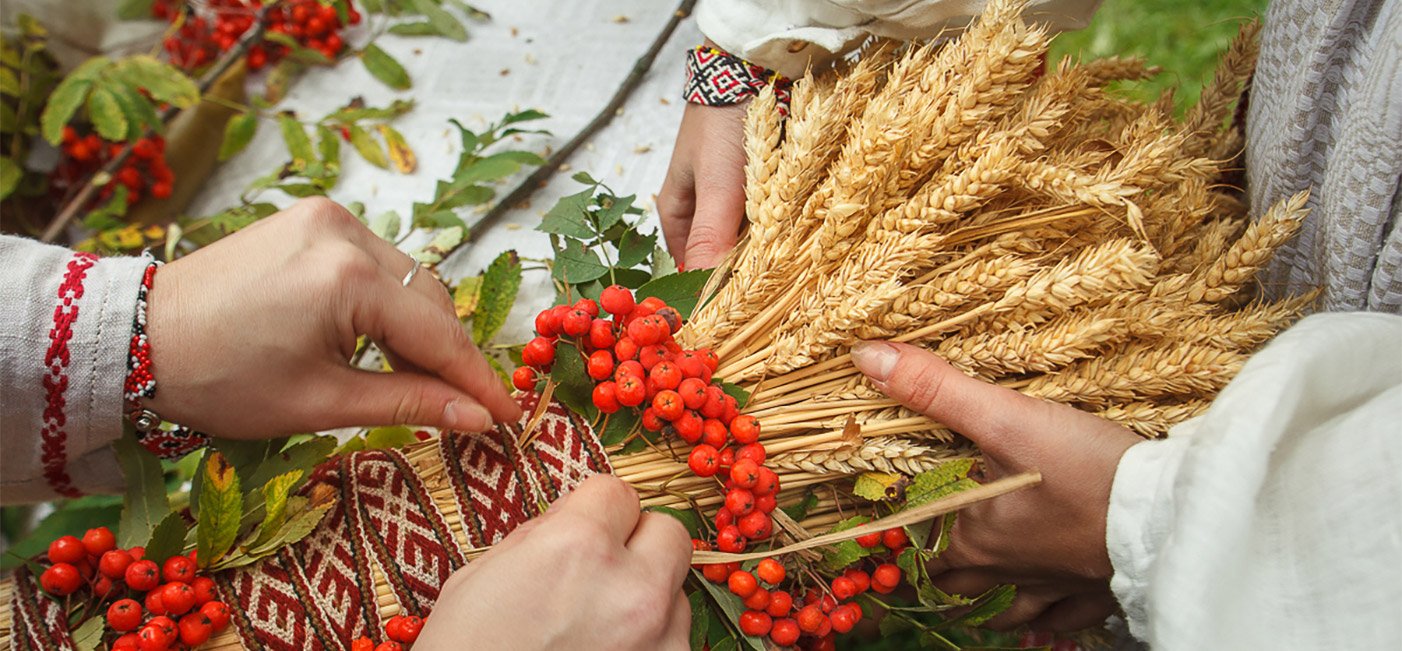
{"x": 676, "y": 203}
{"x": 677, "y": 635}
{"x": 607, "y": 501}
{"x": 411, "y": 327}
{"x": 1026, "y": 606}
{"x": 1076, "y": 612}
{"x": 662, "y": 545}
{"x": 403, "y": 398}
{"x": 720, "y": 208}
{"x": 970, "y": 583}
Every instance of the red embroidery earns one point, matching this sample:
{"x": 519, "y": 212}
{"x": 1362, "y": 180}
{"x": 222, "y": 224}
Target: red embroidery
{"x": 53, "y": 436}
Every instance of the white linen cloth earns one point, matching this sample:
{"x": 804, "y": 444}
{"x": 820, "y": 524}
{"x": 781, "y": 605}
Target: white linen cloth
{"x": 1274, "y": 520}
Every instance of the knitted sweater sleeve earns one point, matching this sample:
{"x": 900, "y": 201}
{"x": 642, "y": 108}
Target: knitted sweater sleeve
{"x": 63, "y": 348}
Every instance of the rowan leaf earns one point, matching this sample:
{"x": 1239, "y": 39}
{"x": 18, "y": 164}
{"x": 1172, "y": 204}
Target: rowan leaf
{"x": 221, "y": 509}
{"x": 679, "y": 290}
{"x": 63, "y": 103}
{"x": 619, "y": 426}
{"x": 328, "y": 147}
{"x": 501, "y": 282}
{"x": 134, "y": 9}
{"x": 414, "y": 28}
{"x": 570, "y": 217}
{"x": 299, "y": 144}
{"x": 393, "y": 436}
{"x": 386, "y": 225}
{"x": 634, "y": 248}
{"x": 572, "y": 384}
{"x": 837, "y": 557}
{"x": 700, "y": 620}
{"x": 987, "y": 606}
{"x": 385, "y": 68}
{"x": 443, "y": 22}
{"x": 732, "y": 606}
{"x": 10, "y": 175}
{"x": 662, "y": 263}
{"x": 440, "y": 245}
{"x": 368, "y": 147}
{"x": 872, "y": 486}
{"x": 687, "y": 517}
{"x": 163, "y": 81}
{"x": 399, "y": 151}
{"x": 275, "y": 494}
{"x": 466, "y": 296}
{"x": 945, "y": 479}
{"x": 88, "y": 635}
{"x": 301, "y": 520}
{"x": 144, "y": 504}
{"x": 167, "y": 540}
{"x": 237, "y": 134}
{"x": 575, "y": 264}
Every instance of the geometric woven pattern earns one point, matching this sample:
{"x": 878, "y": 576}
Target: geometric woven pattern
{"x": 716, "y": 78}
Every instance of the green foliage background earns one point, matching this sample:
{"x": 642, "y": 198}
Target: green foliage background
{"x": 1183, "y": 37}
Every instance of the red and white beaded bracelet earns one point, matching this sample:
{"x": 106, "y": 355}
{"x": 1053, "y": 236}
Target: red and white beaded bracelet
{"x": 141, "y": 383}
{"x": 718, "y": 78}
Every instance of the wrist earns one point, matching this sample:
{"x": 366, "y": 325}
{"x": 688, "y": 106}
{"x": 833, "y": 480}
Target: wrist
{"x": 139, "y": 388}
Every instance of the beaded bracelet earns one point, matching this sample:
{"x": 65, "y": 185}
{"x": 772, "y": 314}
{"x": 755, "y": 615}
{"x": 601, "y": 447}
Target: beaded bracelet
{"x": 717, "y": 78}
{"x": 141, "y": 383}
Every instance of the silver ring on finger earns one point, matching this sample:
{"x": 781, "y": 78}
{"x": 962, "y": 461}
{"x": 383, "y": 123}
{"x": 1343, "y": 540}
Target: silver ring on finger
{"x": 413, "y": 271}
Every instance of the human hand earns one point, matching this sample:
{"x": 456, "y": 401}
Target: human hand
{"x": 591, "y": 573}
{"x": 1048, "y": 540}
{"x": 702, "y": 200}
{"x": 251, "y": 336}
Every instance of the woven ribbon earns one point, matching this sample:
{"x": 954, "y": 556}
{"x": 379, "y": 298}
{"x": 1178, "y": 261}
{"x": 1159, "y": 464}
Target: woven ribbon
{"x": 319, "y": 594}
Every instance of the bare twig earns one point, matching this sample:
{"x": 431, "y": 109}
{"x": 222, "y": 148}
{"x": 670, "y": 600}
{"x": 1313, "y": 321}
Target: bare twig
{"x": 234, "y": 54}
{"x": 538, "y": 178}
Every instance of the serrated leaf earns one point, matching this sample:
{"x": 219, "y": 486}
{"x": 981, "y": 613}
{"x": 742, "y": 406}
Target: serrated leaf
{"x": 368, "y": 147}
{"x": 399, "y": 151}
{"x": 732, "y": 606}
{"x": 619, "y": 426}
{"x": 384, "y": 68}
{"x": 88, "y": 635}
{"x": 611, "y": 213}
{"x": 275, "y": 496}
{"x": 302, "y": 455}
{"x": 575, "y": 264}
{"x": 138, "y": 109}
{"x": 221, "y": 509}
{"x": 500, "y": 285}
{"x": 945, "y": 479}
{"x": 839, "y": 556}
{"x": 238, "y": 132}
{"x": 167, "y": 540}
{"x": 300, "y": 522}
{"x": 328, "y": 147}
{"x": 144, "y": 504}
{"x": 988, "y": 605}
{"x": 466, "y": 296}
{"x": 298, "y": 143}
{"x": 687, "y": 517}
{"x": 634, "y": 248}
{"x": 871, "y": 486}
{"x": 491, "y": 168}
{"x": 572, "y": 384}
{"x": 106, "y": 115}
{"x": 663, "y": 264}
{"x": 10, "y": 174}
{"x": 679, "y": 290}
{"x": 700, "y": 620}
{"x": 439, "y": 246}
{"x": 165, "y": 82}
{"x": 443, "y": 22}
{"x": 570, "y": 217}
{"x": 63, "y": 103}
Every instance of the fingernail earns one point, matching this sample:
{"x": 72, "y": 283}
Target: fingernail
{"x": 473, "y": 418}
{"x": 875, "y": 358}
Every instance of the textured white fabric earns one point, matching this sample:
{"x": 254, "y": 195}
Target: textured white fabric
{"x": 789, "y": 35}
{"x": 30, "y": 274}
{"x": 1274, "y": 521}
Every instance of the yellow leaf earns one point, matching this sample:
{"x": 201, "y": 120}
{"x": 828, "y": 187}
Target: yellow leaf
{"x": 466, "y": 297}
{"x": 399, "y": 151}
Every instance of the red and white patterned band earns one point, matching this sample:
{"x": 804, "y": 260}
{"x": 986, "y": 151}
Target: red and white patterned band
{"x": 716, "y": 78}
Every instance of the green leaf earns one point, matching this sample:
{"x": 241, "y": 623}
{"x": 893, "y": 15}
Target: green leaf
{"x": 302, "y": 455}
{"x": 575, "y": 264}
{"x": 989, "y": 605}
{"x": 800, "y": 510}
{"x": 570, "y": 217}
{"x": 443, "y": 22}
{"x": 383, "y": 67}
{"x": 662, "y": 263}
{"x": 439, "y": 246}
{"x": 62, "y": 104}
{"x": 492, "y": 168}
{"x": 679, "y": 290}
{"x": 634, "y": 248}
{"x": 466, "y": 296}
{"x": 613, "y": 211}
{"x": 737, "y": 392}
{"x": 68, "y": 517}
{"x": 298, "y": 143}
{"x": 573, "y": 386}
{"x": 167, "y": 540}
{"x": 165, "y": 82}
{"x": 144, "y": 504}
{"x": 732, "y": 606}
{"x": 946, "y": 479}
{"x": 88, "y": 635}
{"x": 837, "y": 557}
{"x": 700, "y": 620}
{"x": 368, "y": 147}
{"x": 221, "y": 509}
{"x": 871, "y": 486}
{"x": 500, "y": 285}
{"x": 10, "y": 174}
{"x": 237, "y": 134}
{"x": 386, "y": 225}
{"x": 328, "y": 147}
{"x": 687, "y": 517}
{"x": 585, "y": 178}
{"x": 134, "y": 9}
{"x": 138, "y": 109}
{"x": 620, "y": 425}
{"x": 415, "y": 28}
{"x": 275, "y": 493}
{"x": 394, "y": 436}
{"x": 106, "y": 115}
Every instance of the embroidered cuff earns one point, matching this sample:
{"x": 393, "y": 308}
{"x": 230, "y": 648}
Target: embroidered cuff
{"x": 715, "y": 78}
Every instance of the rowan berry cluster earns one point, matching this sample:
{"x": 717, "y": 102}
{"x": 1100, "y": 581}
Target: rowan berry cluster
{"x": 401, "y": 630}
{"x": 145, "y": 171}
{"x": 176, "y": 609}
{"x": 220, "y": 23}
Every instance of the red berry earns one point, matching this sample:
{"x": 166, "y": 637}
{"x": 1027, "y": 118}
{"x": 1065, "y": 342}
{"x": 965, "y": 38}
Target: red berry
{"x": 143, "y": 575}
{"x": 742, "y": 583}
{"x": 869, "y": 540}
{"x": 195, "y": 629}
{"x": 716, "y": 572}
{"x": 724, "y": 518}
{"x": 205, "y": 590}
{"x": 671, "y": 317}
{"x": 755, "y": 622}
{"x": 885, "y": 578}
{"x": 576, "y": 322}
{"x": 784, "y": 632}
{"x": 67, "y": 549}
{"x": 546, "y": 323}
{"x": 653, "y": 355}
{"x": 843, "y": 588}
{"x": 692, "y": 367}
{"x": 757, "y": 601}
{"x": 703, "y": 461}
{"x": 713, "y": 432}
{"x": 69, "y": 134}
{"x": 629, "y": 368}
{"x": 218, "y": 613}
{"x": 745, "y": 473}
{"x": 631, "y": 392}
{"x": 693, "y": 392}
{"x": 162, "y": 190}
{"x": 771, "y": 571}
{"x": 729, "y": 540}
{"x": 124, "y": 615}
{"x": 754, "y": 452}
{"x": 601, "y": 334}
{"x": 145, "y": 149}
{"x": 644, "y": 332}
{"x": 389, "y": 646}
{"x": 894, "y": 539}
{"x": 363, "y": 644}
{"x": 780, "y": 604}
{"x": 128, "y": 642}
{"x": 617, "y": 300}
{"x": 651, "y": 421}
{"x": 765, "y": 503}
{"x": 626, "y": 349}
{"x": 666, "y": 375}
{"x": 600, "y": 365}
{"x": 756, "y": 525}
{"x": 714, "y": 407}
{"x": 688, "y": 427}
{"x": 745, "y": 429}
{"x": 152, "y": 638}
{"x": 652, "y": 304}
{"x": 153, "y": 602}
{"x": 178, "y": 598}
{"x": 539, "y": 352}
{"x": 860, "y": 579}
{"x": 768, "y": 483}
{"x": 606, "y": 397}
{"x": 99, "y": 541}
{"x": 113, "y": 564}
{"x": 668, "y": 405}
{"x": 178, "y": 568}
{"x": 810, "y": 618}
{"x": 61, "y": 579}
{"x": 740, "y": 501}
{"x": 523, "y": 378}
{"x": 727, "y": 459}
{"x": 588, "y": 305}
{"x": 843, "y": 619}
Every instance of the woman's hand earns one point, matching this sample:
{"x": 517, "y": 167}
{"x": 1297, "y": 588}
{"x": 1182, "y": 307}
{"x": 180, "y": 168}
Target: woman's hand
{"x": 1048, "y": 540}
{"x": 591, "y": 573}
{"x": 702, "y": 201}
{"x": 251, "y": 336}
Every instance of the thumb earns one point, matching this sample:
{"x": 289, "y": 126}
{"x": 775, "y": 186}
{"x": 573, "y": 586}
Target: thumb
{"x": 403, "y": 398}
{"x": 994, "y": 417}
